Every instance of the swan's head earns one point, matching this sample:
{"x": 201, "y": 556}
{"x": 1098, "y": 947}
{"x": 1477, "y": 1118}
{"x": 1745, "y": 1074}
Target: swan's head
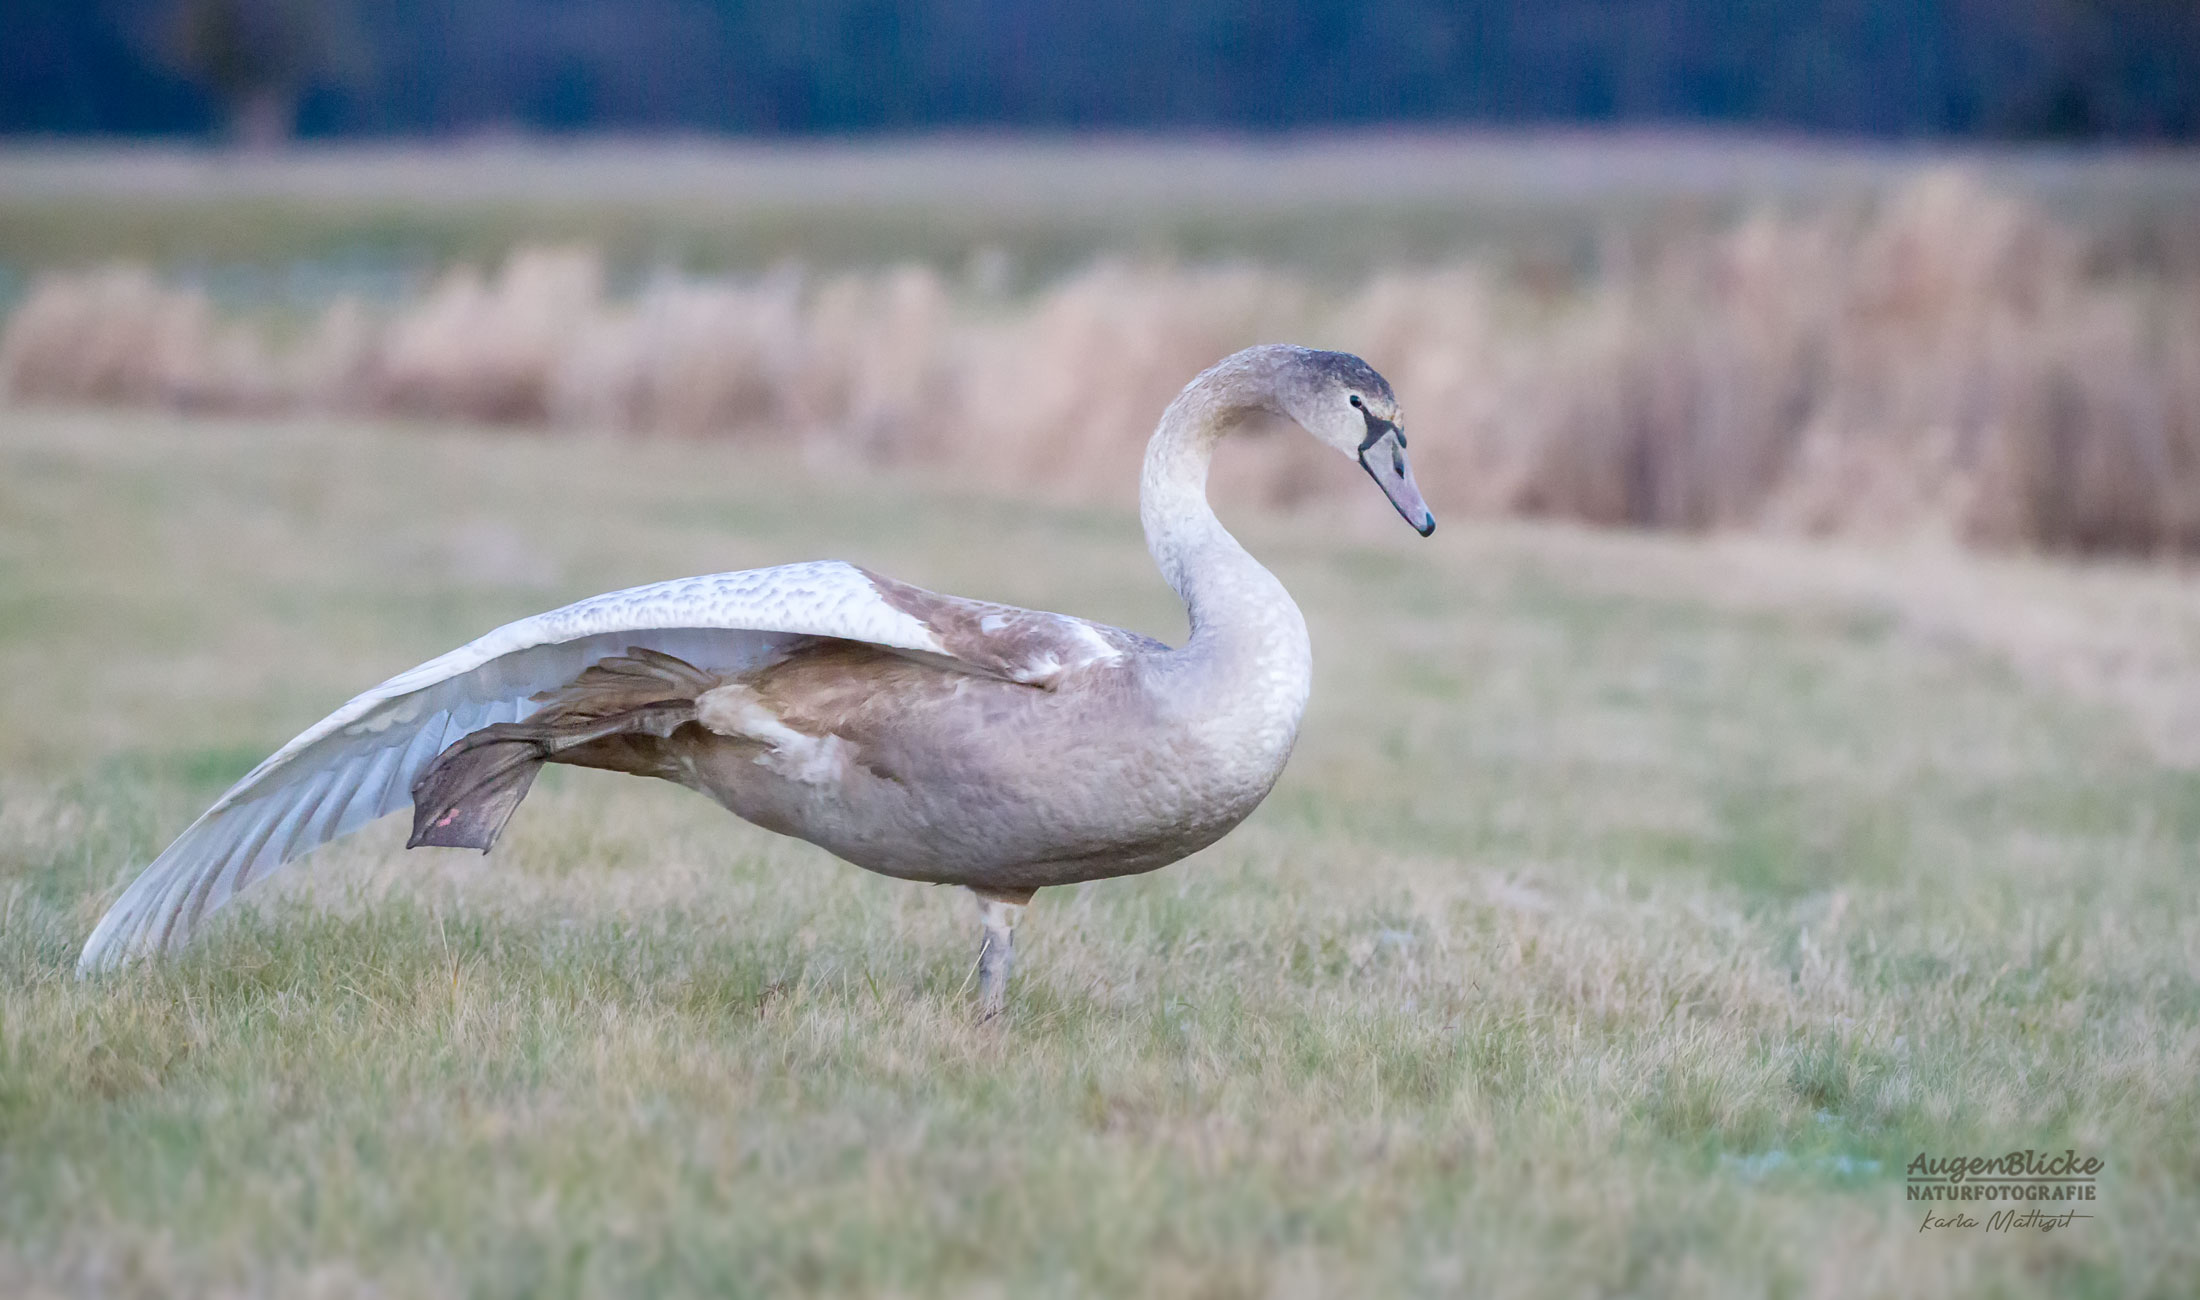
{"x": 1341, "y": 400}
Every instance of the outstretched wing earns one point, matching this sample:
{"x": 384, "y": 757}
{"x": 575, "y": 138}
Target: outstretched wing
{"x": 360, "y": 762}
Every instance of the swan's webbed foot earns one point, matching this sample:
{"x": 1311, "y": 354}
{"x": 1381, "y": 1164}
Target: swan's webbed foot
{"x": 999, "y": 909}
{"x": 469, "y": 792}
{"x": 465, "y": 797}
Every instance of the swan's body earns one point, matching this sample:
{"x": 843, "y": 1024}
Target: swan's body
{"x": 918, "y": 735}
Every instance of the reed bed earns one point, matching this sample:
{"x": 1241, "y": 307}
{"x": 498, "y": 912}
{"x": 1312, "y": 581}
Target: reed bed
{"x": 1947, "y": 361}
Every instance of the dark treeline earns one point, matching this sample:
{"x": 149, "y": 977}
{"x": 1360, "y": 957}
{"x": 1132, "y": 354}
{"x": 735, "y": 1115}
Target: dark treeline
{"x": 1996, "y": 68}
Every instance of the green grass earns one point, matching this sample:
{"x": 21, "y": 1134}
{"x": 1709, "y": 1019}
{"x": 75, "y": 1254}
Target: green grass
{"x": 1017, "y": 213}
{"x": 255, "y": 249}
{"x": 1632, "y": 912}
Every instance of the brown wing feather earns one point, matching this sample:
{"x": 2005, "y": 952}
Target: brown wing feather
{"x": 1028, "y": 646}
{"x": 624, "y": 682}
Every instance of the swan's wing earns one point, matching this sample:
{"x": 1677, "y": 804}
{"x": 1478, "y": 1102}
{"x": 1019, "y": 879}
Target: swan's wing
{"x": 360, "y": 762}
{"x": 1022, "y": 645}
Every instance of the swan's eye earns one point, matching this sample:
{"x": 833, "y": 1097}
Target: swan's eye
{"x": 1355, "y": 399}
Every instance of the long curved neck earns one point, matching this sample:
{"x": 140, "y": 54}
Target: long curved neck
{"x": 1229, "y": 597}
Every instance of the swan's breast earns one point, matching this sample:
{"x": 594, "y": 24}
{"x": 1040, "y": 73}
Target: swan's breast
{"x": 1123, "y": 765}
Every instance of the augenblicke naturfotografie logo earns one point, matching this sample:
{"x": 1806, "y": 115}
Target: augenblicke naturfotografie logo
{"x": 2039, "y": 1190}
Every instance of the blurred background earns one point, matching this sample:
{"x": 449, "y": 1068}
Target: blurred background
{"x": 269, "y": 69}
{"x": 1783, "y": 761}
{"x": 1840, "y": 266}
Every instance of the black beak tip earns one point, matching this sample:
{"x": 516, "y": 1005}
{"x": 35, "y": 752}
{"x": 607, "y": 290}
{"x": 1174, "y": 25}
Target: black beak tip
{"x": 1427, "y": 524}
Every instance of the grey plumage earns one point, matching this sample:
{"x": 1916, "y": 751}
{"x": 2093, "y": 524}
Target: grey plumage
{"x": 916, "y": 734}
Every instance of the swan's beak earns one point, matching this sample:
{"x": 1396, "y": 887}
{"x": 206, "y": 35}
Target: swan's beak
{"x": 1384, "y": 459}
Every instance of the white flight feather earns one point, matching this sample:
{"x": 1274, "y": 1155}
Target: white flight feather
{"x": 359, "y": 763}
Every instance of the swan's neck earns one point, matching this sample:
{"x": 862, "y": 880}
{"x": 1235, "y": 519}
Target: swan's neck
{"x": 1247, "y": 637}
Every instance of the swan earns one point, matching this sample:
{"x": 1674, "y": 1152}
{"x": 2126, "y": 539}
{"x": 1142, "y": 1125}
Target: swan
{"x": 915, "y": 734}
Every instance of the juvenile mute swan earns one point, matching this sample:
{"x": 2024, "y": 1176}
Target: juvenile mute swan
{"x": 918, "y": 735}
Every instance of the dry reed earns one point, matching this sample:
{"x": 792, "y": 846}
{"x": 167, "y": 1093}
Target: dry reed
{"x": 1950, "y": 362}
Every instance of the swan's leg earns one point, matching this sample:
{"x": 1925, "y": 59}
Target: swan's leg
{"x": 1000, "y": 909}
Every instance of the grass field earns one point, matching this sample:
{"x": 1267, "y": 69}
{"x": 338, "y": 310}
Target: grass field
{"x": 1631, "y": 914}
{"x": 374, "y": 219}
